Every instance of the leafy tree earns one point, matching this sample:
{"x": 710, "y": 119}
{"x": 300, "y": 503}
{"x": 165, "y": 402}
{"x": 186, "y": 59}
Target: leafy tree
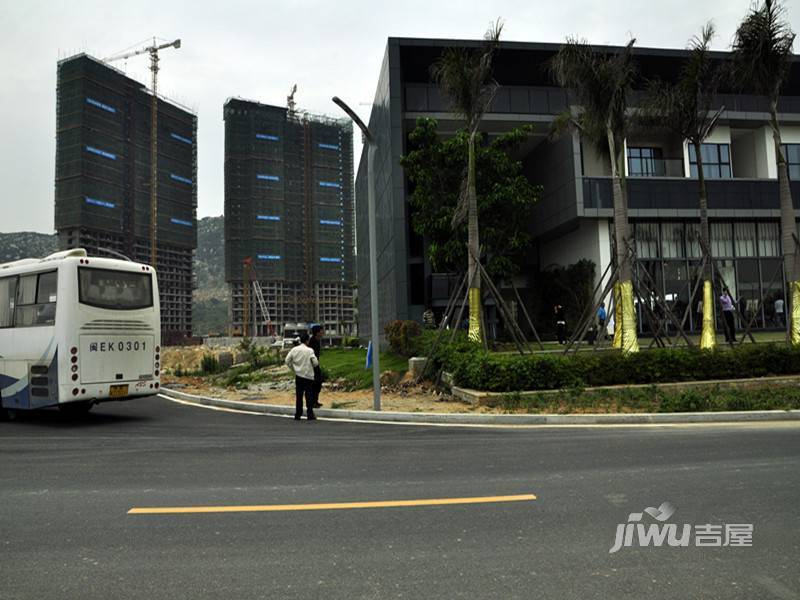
{"x": 600, "y": 83}
{"x": 685, "y": 108}
{"x": 762, "y": 56}
{"x": 465, "y": 78}
{"x": 504, "y": 197}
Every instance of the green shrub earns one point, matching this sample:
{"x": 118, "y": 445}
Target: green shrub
{"x": 401, "y": 336}
{"x": 257, "y": 356}
{"x": 473, "y": 368}
{"x": 705, "y": 398}
{"x": 209, "y": 364}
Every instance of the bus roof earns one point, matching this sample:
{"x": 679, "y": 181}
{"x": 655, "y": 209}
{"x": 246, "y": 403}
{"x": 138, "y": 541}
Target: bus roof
{"x": 78, "y": 252}
{"x": 63, "y": 255}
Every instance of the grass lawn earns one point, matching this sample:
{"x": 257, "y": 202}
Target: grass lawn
{"x": 349, "y": 365}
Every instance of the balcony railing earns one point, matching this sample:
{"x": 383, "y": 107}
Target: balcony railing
{"x": 655, "y": 167}
{"x": 422, "y": 97}
{"x": 723, "y": 194}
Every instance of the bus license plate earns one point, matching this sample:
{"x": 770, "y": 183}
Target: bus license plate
{"x": 117, "y": 391}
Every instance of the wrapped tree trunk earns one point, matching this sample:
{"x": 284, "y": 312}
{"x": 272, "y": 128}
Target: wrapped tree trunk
{"x": 625, "y": 311}
{"x": 475, "y": 330}
{"x": 708, "y": 336}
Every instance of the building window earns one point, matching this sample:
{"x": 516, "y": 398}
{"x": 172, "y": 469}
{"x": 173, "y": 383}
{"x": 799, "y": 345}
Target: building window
{"x": 716, "y": 161}
{"x": 646, "y": 236}
{"x": 769, "y": 239}
{"x": 672, "y": 240}
{"x": 645, "y": 162}
{"x": 791, "y": 152}
{"x": 721, "y": 239}
{"x": 744, "y": 235}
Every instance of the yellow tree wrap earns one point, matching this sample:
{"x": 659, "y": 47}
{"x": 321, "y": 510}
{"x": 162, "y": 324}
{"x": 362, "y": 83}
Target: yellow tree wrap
{"x": 474, "y": 315}
{"x": 617, "y": 318}
{"x": 708, "y": 338}
{"x": 795, "y": 325}
{"x": 630, "y": 340}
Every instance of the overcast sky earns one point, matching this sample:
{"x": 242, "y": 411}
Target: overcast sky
{"x": 256, "y": 50}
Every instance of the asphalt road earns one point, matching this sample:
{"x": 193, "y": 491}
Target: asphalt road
{"x": 66, "y": 487}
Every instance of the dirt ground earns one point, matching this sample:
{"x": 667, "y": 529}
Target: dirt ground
{"x": 401, "y": 399}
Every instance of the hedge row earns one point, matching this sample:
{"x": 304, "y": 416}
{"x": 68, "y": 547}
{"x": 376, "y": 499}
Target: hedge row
{"x": 654, "y": 400}
{"x": 507, "y": 373}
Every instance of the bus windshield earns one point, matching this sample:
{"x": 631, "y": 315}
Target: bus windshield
{"x": 119, "y": 290}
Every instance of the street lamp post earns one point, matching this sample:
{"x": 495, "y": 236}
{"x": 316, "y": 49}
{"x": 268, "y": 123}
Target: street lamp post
{"x": 369, "y": 139}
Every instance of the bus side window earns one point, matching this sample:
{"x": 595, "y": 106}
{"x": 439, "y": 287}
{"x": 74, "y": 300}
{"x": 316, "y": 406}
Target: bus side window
{"x": 36, "y": 300}
{"x": 8, "y": 292}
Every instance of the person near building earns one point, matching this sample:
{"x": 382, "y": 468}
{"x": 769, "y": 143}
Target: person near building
{"x": 429, "y": 319}
{"x": 315, "y": 343}
{"x": 561, "y": 323}
{"x": 602, "y": 315}
{"x": 779, "y": 308}
{"x": 302, "y": 361}
{"x": 727, "y": 316}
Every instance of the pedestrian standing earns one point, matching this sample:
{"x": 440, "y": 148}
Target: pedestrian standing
{"x": 429, "y": 319}
{"x": 779, "y": 307}
{"x": 301, "y": 360}
{"x": 561, "y": 323}
{"x": 727, "y": 316}
{"x": 315, "y": 343}
{"x": 601, "y": 320}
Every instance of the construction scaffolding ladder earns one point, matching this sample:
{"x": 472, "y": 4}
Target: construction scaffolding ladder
{"x": 250, "y": 276}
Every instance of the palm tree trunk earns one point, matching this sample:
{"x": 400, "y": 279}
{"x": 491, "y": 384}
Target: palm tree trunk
{"x": 475, "y": 332}
{"x": 626, "y": 312}
{"x": 708, "y": 337}
{"x": 791, "y": 258}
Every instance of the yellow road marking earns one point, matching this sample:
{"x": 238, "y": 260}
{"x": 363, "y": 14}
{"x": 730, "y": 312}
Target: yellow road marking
{"x": 169, "y": 510}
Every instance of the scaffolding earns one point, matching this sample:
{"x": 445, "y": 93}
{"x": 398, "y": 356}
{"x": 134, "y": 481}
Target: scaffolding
{"x": 103, "y": 174}
{"x": 289, "y": 205}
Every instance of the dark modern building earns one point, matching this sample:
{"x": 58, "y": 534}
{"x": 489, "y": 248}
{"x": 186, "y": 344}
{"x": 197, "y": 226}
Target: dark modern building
{"x": 103, "y": 178}
{"x": 289, "y": 208}
{"x": 572, "y": 221}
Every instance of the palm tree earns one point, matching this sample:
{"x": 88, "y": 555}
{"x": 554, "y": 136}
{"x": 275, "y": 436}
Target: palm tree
{"x": 762, "y": 54}
{"x": 600, "y": 83}
{"x": 684, "y": 107}
{"x": 465, "y": 78}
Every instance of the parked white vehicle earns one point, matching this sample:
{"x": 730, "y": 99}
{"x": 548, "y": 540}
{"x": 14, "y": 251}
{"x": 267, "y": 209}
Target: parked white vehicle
{"x": 77, "y": 330}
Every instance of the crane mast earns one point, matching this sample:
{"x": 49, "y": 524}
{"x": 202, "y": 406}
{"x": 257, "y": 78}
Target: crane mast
{"x": 153, "y": 52}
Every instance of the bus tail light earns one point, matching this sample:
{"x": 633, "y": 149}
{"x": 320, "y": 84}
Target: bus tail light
{"x": 75, "y": 391}
{"x": 156, "y": 385}
{"x": 74, "y": 377}
{"x": 74, "y": 368}
{"x": 73, "y": 350}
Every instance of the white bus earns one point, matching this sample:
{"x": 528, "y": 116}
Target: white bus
{"x": 77, "y": 330}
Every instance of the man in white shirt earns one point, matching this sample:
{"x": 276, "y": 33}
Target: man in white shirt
{"x": 301, "y": 360}
{"x": 779, "y": 312}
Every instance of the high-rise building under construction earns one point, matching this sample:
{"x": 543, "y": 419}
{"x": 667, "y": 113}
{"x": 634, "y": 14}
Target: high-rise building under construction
{"x": 103, "y": 178}
{"x": 289, "y": 212}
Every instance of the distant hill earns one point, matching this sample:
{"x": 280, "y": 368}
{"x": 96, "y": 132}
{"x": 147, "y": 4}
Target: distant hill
{"x": 210, "y": 299}
{"x": 26, "y": 244}
{"x": 211, "y": 295}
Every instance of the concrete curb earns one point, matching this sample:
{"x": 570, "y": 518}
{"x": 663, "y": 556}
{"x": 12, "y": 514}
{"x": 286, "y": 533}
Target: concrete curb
{"x": 470, "y": 419}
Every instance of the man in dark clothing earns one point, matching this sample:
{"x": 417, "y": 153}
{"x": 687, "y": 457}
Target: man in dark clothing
{"x": 561, "y": 323}
{"x": 315, "y": 343}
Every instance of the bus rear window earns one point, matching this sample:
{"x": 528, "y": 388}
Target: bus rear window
{"x": 118, "y": 290}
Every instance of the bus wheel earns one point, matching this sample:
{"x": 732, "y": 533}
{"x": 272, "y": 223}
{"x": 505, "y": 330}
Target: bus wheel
{"x": 76, "y": 408}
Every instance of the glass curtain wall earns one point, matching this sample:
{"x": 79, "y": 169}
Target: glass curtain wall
{"x": 747, "y": 260}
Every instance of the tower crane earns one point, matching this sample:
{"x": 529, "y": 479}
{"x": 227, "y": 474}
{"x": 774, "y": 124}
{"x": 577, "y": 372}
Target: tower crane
{"x": 153, "y": 52}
